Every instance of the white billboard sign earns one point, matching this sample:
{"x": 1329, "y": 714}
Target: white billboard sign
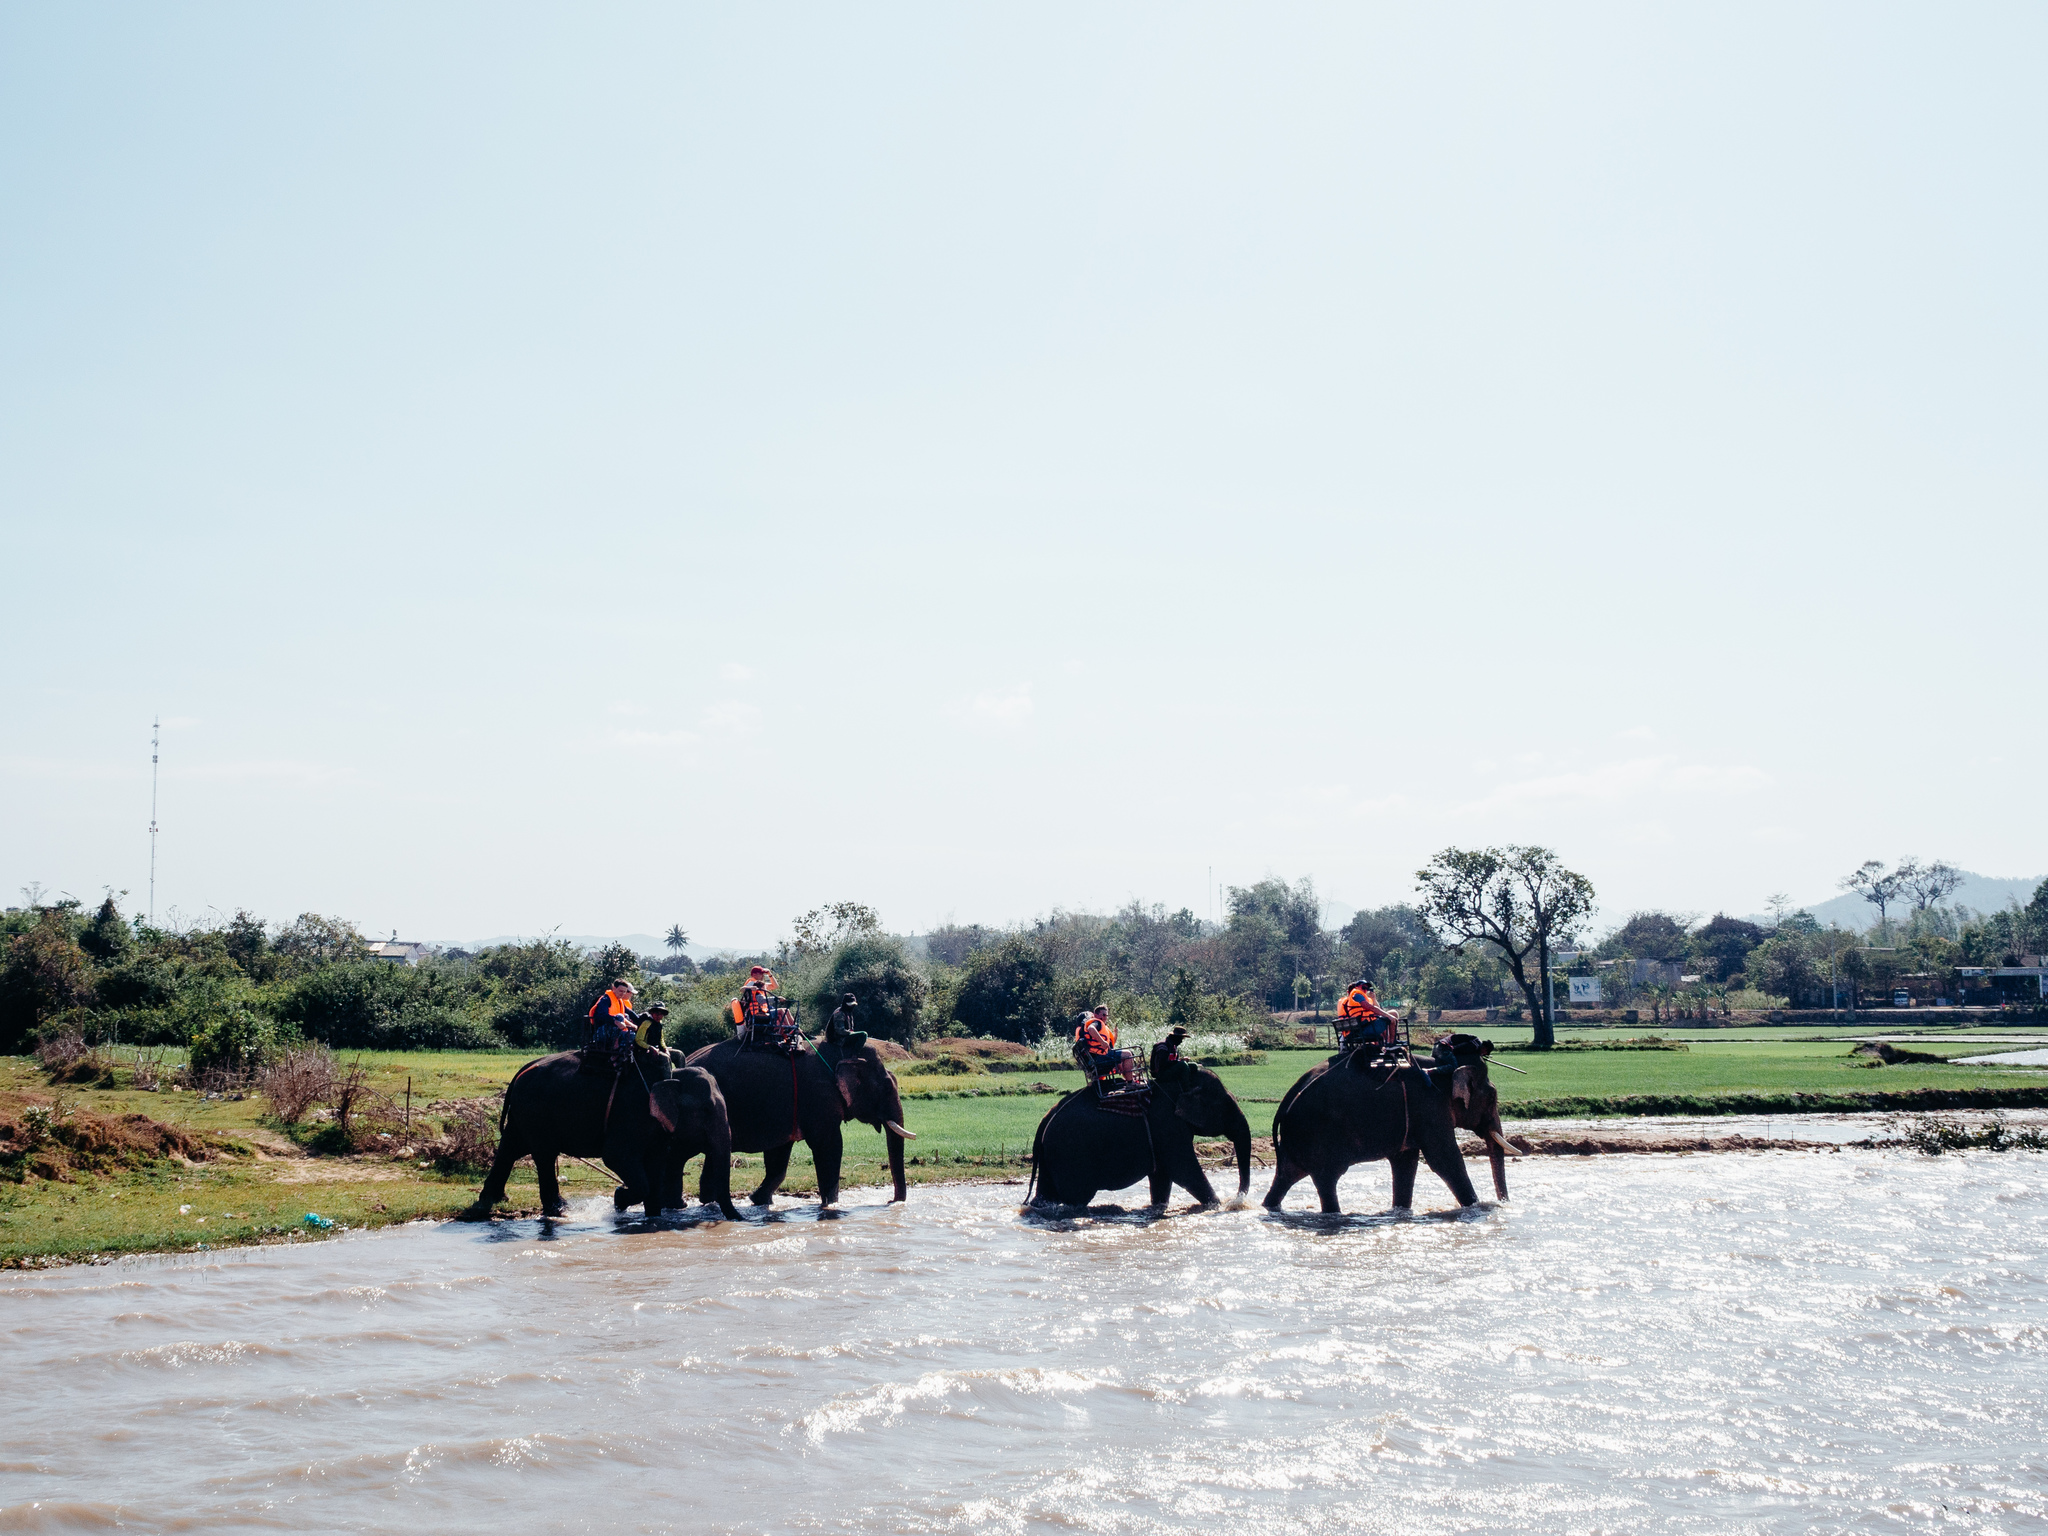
{"x": 1585, "y": 989}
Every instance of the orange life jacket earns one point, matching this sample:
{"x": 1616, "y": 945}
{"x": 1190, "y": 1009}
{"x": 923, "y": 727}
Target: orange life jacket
{"x": 752, "y": 1003}
{"x": 1358, "y": 1004}
{"x": 1097, "y": 1036}
{"x": 614, "y": 1004}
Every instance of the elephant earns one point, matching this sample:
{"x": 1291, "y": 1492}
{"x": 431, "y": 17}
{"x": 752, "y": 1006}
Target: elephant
{"x": 1083, "y": 1146}
{"x": 776, "y": 1099}
{"x": 1475, "y": 1102}
{"x": 1337, "y": 1115}
{"x": 553, "y": 1108}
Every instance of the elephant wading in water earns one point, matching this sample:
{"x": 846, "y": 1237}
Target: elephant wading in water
{"x": 776, "y": 1100}
{"x": 1338, "y": 1115}
{"x": 1083, "y": 1146}
{"x": 555, "y": 1109}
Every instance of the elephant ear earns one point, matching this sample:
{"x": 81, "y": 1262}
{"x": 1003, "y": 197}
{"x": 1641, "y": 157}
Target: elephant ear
{"x": 847, "y": 1076}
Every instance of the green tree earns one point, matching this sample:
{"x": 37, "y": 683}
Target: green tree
{"x": 313, "y": 940}
{"x": 46, "y": 975}
{"x": 1184, "y": 1004}
{"x": 874, "y": 968}
{"x": 1723, "y": 943}
{"x": 1648, "y": 936}
{"x": 1516, "y": 899}
{"x": 106, "y": 937}
{"x": 1008, "y": 991}
{"x": 676, "y": 940}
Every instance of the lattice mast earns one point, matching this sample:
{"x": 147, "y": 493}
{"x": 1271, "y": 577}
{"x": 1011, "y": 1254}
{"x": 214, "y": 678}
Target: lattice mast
{"x": 155, "y": 732}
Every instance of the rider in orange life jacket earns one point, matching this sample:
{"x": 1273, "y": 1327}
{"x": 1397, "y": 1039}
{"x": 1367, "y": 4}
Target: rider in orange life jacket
{"x": 1361, "y": 1021}
{"x": 1096, "y": 1039}
{"x": 613, "y": 1021}
{"x": 755, "y": 1002}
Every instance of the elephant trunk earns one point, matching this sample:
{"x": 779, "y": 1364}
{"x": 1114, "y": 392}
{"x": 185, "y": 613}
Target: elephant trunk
{"x": 715, "y": 1185}
{"x": 1495, "y": 1143}
{"x": 1241, "y": 1139}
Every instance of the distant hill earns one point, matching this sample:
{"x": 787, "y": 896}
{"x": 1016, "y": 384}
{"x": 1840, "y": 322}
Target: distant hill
{"x": 1981, "y": 893}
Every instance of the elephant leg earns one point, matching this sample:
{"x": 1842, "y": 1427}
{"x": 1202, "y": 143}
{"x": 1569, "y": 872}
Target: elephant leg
{"x": 1185, "y": 1169}
{"x": 624, "y": 1160}
{"x": 1404, "y": 1165}
{"x": 672, "y": 1180}
{"x": 1448, "y": 1164}
{"x": 828, "y": 1150}
{"x": 511, "y": 1148}
{"x": 774, "y": 1169}
{"x": 1326, "y": 1189}
{"x": 1161, "y": 1190}
{"x": 551, "y": 1201}
{"x": 1285, "y": 1177}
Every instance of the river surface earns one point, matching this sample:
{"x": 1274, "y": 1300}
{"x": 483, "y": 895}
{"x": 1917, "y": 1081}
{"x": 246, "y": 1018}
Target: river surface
{"x": 1850, "y": 1341}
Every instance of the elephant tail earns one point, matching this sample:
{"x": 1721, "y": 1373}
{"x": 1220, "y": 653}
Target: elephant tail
{"x": 505, "y": 1107}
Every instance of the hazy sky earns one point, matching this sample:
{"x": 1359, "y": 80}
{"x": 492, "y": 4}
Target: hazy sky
{"x": 600, "y": 468}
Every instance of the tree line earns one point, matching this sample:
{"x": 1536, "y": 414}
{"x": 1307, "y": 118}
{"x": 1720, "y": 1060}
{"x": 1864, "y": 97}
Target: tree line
{"x": 1490, "y": 927}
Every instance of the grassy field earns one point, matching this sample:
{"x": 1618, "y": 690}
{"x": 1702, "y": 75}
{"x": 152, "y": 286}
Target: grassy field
{"x": 260, "y": 1184}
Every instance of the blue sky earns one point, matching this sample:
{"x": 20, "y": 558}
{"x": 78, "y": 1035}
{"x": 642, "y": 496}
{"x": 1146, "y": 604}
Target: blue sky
{"x": 689, "y": 464}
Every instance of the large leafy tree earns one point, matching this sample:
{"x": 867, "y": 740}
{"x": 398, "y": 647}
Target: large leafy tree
{"x": 1517, "y": 900}
{"x": 1724, "y": 943}
{"x": 1648, "y": 936}
{"x": 46, "y": 974}
{"x": 1009, "y": 991}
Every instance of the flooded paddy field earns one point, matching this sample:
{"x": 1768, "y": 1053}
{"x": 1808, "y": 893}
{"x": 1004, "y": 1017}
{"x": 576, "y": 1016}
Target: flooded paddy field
{"x": 1772, "y": 1342}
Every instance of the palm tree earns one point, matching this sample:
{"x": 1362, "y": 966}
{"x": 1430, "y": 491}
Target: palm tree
{"x": 677, "y": 939}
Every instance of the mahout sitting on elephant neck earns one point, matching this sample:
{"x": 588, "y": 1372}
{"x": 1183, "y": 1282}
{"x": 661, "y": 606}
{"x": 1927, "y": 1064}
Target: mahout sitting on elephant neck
{"x": 645, "y": 1133}
{"x": 1085, "y": 1144}
{"x": 777, "y": 1098}
{"x": 1330, "y": 1120}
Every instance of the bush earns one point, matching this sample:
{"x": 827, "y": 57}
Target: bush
{"x": 874, "y": 968}
{"x": 1008, "y": 991}
{"x": 230, "y": 1045}
{"x": 696, "y": 1024}
{"x": 469, "y": 1139}
{"x": 45, "y": 975}
{"x": 141, "y": 982}
{"x": 392, "y": 1007}
{"x": 296, "y": 1079}
{"x": 552, "y": 1014}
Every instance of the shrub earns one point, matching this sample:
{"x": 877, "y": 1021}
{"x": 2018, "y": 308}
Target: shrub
{"x": 45, "y": 975}
{"x": 469, "y": 1139}
{"x": 552, "y": 1014}
{"x": 1007, "y": 991}
{"x": 296, "y": 1079}
{"x": 229, "y": 1045}
{"x": 696, "y": 1024}
{"x": 874, "y": 968}
{"x": 373, "y": 1003}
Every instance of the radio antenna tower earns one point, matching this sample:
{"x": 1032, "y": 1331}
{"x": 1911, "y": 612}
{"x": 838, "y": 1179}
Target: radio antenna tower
{"x": 155, "y": 729}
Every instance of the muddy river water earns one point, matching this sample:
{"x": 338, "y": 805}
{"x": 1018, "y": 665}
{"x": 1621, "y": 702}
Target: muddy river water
{"x": 1853, "y": 1341}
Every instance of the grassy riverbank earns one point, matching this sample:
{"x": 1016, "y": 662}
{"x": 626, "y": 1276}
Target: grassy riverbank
{"x": 258, "y": 1180}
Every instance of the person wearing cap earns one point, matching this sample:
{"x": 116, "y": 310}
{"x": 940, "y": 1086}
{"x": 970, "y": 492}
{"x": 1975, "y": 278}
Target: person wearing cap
{"x": 754, "y": 1004}
{"x": 613, "y": 1021}
{"x": 842, "y": 1028}
{"x": 1095, "y": 1044}
{"x": 651, "y": 1022}
{"x": 1361, "y": 1021}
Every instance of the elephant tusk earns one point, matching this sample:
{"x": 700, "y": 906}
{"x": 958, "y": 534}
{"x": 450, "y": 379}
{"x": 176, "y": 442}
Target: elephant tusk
{"x": 1501, "y": 1142}
{"x": 906, "y": 1135}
